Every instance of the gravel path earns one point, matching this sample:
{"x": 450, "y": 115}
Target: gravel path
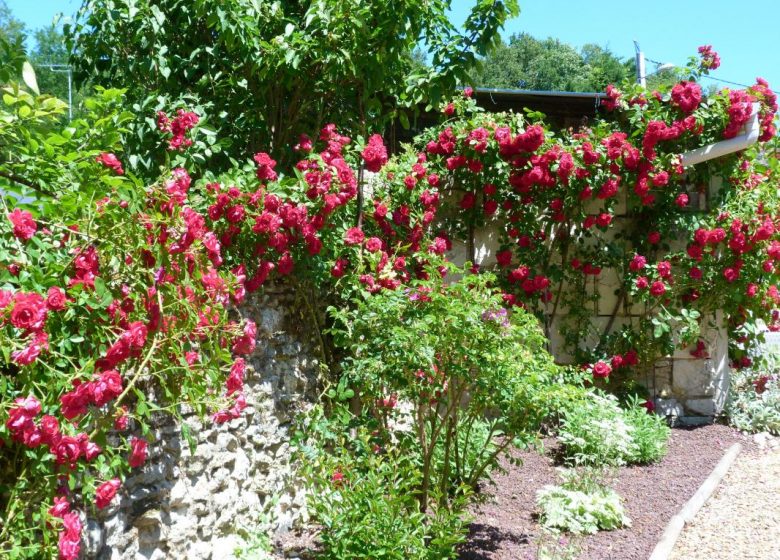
{"x": 504, "y": 528}
{"x": 742, "y": 519}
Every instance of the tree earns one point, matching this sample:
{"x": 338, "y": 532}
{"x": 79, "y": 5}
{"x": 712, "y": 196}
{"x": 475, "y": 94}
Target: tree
{"x": 12, "y": 51}
{"x": 273, "y": 70}
{"x": 529, "y": 63}
{"x": 50, "y": 49}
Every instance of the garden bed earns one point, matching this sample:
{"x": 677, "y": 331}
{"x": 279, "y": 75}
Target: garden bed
{"x": 505, "y": 527}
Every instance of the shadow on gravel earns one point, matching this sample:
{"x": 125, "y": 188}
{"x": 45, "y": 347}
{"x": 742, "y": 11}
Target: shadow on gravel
{"x": 487, "y": 538}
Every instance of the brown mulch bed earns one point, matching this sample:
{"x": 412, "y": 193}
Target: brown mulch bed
{"x": 504, "y": 528}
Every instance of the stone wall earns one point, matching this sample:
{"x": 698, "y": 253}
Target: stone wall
{"x": 683, "y": 386}
{"x": 195, "y": 506}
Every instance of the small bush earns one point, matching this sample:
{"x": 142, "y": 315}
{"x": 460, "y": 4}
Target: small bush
{"x": 650, "y": 434}
{"x": 595, "y": 430}
{"x": 580, "y": 505}
{"x": 754, "y": 402}
{"x": 365, "y": 496}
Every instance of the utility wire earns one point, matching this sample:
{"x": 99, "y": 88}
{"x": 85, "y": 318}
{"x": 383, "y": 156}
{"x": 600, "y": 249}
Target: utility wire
{"x": 710, "y": 77}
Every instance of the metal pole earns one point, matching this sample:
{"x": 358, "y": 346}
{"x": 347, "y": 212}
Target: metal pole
{"x": 70, "y": 96}
{"x": 641, "y": 75}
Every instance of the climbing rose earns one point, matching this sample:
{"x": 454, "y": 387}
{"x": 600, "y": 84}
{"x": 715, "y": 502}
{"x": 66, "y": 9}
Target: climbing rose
{"x": 687, "y": 96}
{"x": 601, "y": 369}
{"x": 709, "y": 58}
{"x": 265, "y": 167}
{"x": 112, "y": 162}
{"x": 24, "y": 224}
{"x": 681, "y": 200}
{"x": 658, "y": 288}
{"x": 354, "y": 236}
{"x": 60, "y": 508}
{"x": 55, "y": 299}
{"x": 106, "y": 492}
{"x": 137, "y": 452}
{"x": 637, "y": 263}
{"x": 29, "y": 311}
{"x": 373, "y": 244}
{"x": 70, "y": 536}
{"x": 375, "y": 153}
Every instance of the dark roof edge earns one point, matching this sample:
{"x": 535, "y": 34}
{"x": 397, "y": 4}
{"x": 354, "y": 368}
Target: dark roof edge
{"x": 521, "y": 92}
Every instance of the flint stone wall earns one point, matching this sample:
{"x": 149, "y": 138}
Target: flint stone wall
{"x": 202, "y": 505}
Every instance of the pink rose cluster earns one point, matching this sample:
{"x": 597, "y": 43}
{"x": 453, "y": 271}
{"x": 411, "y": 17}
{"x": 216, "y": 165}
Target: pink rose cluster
{"x": 178, "y": 127}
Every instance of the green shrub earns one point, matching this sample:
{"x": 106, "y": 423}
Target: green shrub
{"x": 650, "y": 433}
{"x": 580, "y": 505}
{"x": 365, "y": 497}
{"x": 473, "y": 376}
{"x": 595, "y": 430}
{"x": 754, "y": 401}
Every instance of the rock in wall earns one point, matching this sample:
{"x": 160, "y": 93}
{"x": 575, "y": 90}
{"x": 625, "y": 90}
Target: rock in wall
{"x": 196, "y": 506}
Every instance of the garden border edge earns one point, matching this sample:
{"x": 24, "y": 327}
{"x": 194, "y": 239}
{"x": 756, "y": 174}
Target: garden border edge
{"x": 689, "y": 510}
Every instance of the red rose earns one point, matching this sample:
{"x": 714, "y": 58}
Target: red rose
{"x": 664, "y": 269}
{"x": 137, "y": 452}
{"x": 654, "y": 237}
{"x": 60, "y": 508}
{"x": 112, "y": 162}
{"x": 339, "y": 267}
{"x": 265, "y": 168}
{"x": 681, "y": 200}
{"x": 67, "y": 450}
{"x": 731, "y": 274}
{"x": 504, "y": 258}
{"x": 23, "y": 222}
{"x": 55, "y": 299}
{"x": 601, "y": 369}
{"x": 373, "y": 244}
{"x": 658, "y": 288}
{"x": 375, "y": 153}
{"x": 106, "y": 492}
{"x": 642, "y": 283}
{"x": 637, "y": 263}
{"x": 235, "y": 214}
{"x": 245, "y": 344}
{"x": 354, "y": 236}
{"x": 29, "y": 312}
{"x": 604, "y": 219}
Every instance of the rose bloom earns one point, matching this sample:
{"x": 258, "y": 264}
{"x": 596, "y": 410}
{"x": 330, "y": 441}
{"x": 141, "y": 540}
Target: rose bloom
{"x": 55, "y": 299}
{"x": 601, "y": 369}
{"x": 654, "y": 237}
{"x": 106, "y": 492}
{"x": 641, "y": 282}
{"x": 373, "y": 244}
{"x": 29, "y": 312}
{"x": 137, "y": 452}
{"x": 658, "y": 288}
{"x": 637, "y": 263}
{"x": 24, "y": 224}
{"x": 354, "y": 236}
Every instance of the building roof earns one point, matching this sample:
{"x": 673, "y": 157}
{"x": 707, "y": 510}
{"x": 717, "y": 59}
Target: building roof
{"x": 562, "y": 109}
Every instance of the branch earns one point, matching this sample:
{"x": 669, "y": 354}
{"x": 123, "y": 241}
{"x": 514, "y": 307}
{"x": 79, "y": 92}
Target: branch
{"x": 22, "y": 181}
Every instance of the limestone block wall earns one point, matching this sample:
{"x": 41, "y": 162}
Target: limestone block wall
{"x": 195, "y": 505}
{"x": 684, "y": 385}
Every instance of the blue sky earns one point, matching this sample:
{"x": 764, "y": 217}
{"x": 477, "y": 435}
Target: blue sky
{"x": 745, "y": 34}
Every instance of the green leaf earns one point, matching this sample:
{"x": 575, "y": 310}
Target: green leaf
{"x": 28, "y": 75}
